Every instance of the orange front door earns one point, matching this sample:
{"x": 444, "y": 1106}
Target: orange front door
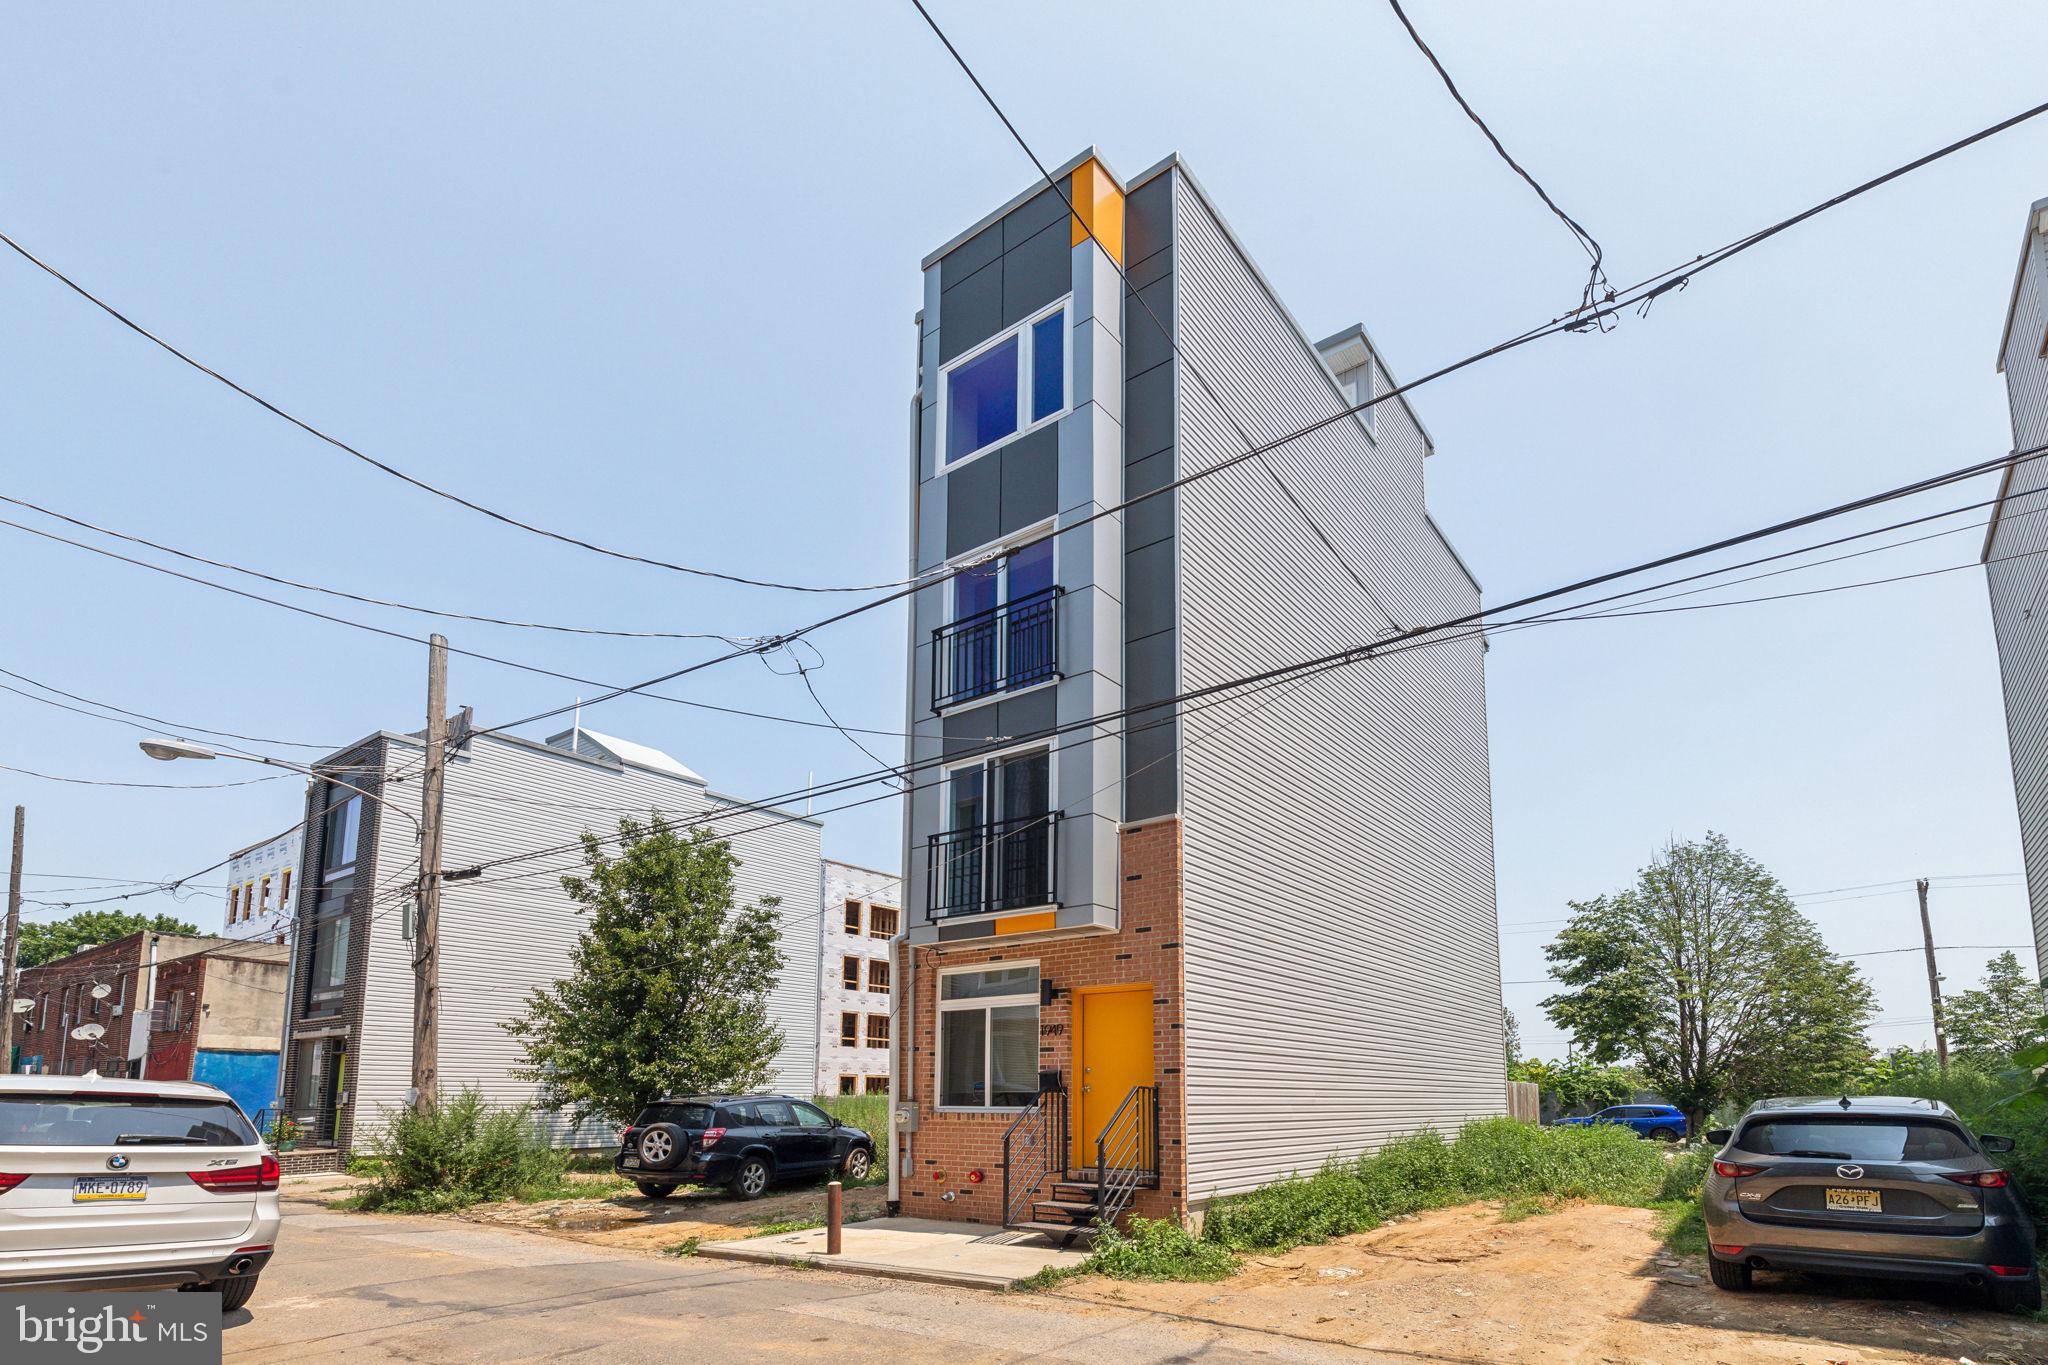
{"x": 1112, "y": 1053}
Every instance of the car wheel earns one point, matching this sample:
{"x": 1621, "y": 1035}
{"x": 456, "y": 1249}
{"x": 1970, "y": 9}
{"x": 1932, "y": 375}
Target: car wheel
{"x": 750, "y": 1181}
{"x": 2021, "y": 1297}
{"x": 1728, "y": 1274}
{"x": 234, "y": 1292}
{"x": 1663, "y": 1135}
{"x": 858, "y": 1163}
{"x": 654, "y": 1191}
{"x": 660, "y": 1145}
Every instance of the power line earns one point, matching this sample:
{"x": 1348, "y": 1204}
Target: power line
{"x": 732, "y": 641}
{"x": 158, "y": 786}
{"x": 610, "y": 689}
{"x": 156, "y": 721}
{"x": 399, "y": 474}
{"x": 1597, "y": 286}
{"x": 1642, "y": 293}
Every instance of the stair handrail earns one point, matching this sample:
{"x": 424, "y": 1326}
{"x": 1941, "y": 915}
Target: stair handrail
{"x": 1043, "y": 1127}
{"x": 1132, "y": 1136}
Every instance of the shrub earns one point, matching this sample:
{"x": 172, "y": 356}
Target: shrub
{"x": 459, "y": 1152}
{"x": 1687, "y": 1174}
{"x": 1159, "y": 1249}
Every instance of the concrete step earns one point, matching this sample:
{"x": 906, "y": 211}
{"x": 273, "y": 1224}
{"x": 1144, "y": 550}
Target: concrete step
{"x": 1072, "y": 1208}
{"x": 1059, "y": 1232}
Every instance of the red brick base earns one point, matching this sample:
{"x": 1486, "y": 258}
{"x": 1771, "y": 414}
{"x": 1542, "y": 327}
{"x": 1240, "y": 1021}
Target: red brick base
{"x": 949, "y": 1149}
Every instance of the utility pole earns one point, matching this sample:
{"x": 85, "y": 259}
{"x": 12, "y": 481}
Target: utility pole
{"x": 426, "y": 962}
{"x": 13, "y": 947}
{"x": 1933, "y": 980}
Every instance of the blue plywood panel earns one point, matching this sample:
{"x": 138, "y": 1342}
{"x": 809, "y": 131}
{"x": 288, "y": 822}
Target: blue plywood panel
{"x": 250, "y": 1077}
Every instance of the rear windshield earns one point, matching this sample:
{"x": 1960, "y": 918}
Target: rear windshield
{"x": 682, "y": 1115}
{"x": 120, "y": 1121}
{"x": 1856, "y": 1139}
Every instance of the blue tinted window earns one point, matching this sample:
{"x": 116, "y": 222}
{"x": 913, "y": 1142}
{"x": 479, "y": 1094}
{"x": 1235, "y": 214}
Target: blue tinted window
{"x": 981, "y": 398}
{"x": 1048, "y": 365}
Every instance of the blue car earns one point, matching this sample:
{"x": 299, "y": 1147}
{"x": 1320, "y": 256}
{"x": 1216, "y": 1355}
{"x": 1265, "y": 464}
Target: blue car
{"x": 1659, "y": 1121}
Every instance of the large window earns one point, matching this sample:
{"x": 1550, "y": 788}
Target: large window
{"x": 878, "y": 1030}
{"x": 330, "y": 948}
{"x": 997, "y": 849}
{"x": 1001, "y": 634}
{"x": 882, "y": 921}
{"x": 988, "y": 1038}
{"x": 1010, "y": 384}
{"x": 338, "y": 839}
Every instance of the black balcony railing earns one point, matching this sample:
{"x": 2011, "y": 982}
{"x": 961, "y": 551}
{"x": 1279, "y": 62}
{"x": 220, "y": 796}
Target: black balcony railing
{"x": 1008, "y": 865}
{"x": 999, "y": 650}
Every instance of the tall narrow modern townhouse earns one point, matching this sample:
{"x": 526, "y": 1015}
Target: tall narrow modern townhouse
{"x": 2016, "y": 570}
{"x": 1150, "y": 962}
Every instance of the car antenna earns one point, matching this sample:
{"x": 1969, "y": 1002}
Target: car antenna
{"x": 1845, "y": 1101}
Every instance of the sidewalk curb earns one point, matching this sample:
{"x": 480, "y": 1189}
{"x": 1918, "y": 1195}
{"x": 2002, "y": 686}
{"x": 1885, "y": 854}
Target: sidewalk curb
{"x": 763, "y": 1256}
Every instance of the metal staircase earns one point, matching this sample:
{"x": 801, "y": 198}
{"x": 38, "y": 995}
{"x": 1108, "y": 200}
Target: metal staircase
{"x": 1083, "y": 1201}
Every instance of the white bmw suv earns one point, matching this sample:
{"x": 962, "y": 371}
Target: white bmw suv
{"x": 118, "y": 1184}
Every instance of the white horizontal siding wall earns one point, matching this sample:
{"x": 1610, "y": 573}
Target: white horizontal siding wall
{"x": 2017, "y": 572}
{"x": 502, "y": 939}
{"x": 1342, "y": 967}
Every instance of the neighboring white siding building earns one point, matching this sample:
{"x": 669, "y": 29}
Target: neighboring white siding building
{"x": 261, "y": 881}
{"x": 862, "y": 917}
{"x": 2015, "y": 568}
{"x": 507, "y": 932}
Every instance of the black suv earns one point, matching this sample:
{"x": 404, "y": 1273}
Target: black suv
{"x": 744, "y": 1142}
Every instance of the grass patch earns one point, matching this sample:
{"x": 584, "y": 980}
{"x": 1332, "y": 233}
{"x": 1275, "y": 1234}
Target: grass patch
{"x": 687, "y": 1247}
{"x": 1528, "y": 1206}
{"x": 1531, "y": 1169}
{"x": 788, "y": 1225}
{"x": 1683, "y": 1230}
{"x": 870, "y": 1114}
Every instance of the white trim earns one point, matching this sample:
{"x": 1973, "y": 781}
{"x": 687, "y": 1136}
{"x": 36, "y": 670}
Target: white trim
{"x": 985, "y": 1004}
{"x": 1021, "y": 333}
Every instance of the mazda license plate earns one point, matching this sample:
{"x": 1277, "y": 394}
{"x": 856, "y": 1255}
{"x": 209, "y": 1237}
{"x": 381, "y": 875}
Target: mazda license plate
{"x": 87, "y": 1189}
{"x": 1855, "y": 1201}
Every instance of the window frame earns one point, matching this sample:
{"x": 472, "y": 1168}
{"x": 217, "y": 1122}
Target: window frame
{"x": 849, "y": 1017}
{"x": 1000, "y": 551}
{"x": 987, "y": 1004}
{"x": 894, "y": 910}
{"x": 878, "y": 966}
{"x": 1026, "y": 346}
{"x": 868, "y": 1086}
{"x": 856, "y": 916}
{"x": 849, "y": 1084}
{"x": 867, "y": 1037}
{"x": 849, "y": 965}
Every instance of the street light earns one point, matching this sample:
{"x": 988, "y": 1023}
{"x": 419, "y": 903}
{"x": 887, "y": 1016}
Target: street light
{"x": 169, "y": 750}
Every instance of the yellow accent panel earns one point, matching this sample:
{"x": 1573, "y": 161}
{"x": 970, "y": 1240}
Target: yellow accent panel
{"x": 1098, "y": 209}
{"x": 1027, "y": 924}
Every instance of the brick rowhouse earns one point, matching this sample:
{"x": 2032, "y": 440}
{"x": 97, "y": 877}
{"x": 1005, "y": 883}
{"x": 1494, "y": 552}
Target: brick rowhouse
{"x": 950, "y": 1145}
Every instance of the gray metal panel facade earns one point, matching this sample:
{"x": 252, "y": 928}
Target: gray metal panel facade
{"x": 1342, "y": 962}
{"x": 2017, "y": 573}
{"x": 501, "y": 939}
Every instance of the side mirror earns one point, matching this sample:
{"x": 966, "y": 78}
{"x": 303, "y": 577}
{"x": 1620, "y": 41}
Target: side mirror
{"x": 1991, "y": 1142}
{"x": 1719, "y": 1136}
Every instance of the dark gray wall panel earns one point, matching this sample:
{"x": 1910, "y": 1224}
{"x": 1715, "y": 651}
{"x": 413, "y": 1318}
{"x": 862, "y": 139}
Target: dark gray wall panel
{"x": 1032, "y": 217}
{"x": 1148, "y": 413}
{"x": 1147, "y": 343}
{"x": 971, "y": 255}
{"x": 1028, "y": 715}
{"x": 1148, "y": 590}
{"x": 1152, "y": 667}
{"x": 973, "y": 504}
{"x": 1151, "y": 521}
{"x": 1036, "y": 272}
{"x": 1151, "y": 769}
{"x": 1030, "y": 479}
{"x": 1148, "y": 219}
{"x": 971, "y": 311}
{"x": 1151, "y": 553}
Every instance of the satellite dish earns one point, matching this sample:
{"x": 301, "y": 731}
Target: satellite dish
{"x": 88, "y": 1033}
{"x": 23, "y": 1006}
{"x": 101, "y": 991}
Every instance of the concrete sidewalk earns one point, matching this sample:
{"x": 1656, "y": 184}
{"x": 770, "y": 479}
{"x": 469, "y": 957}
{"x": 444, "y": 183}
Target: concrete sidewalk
{"x": 971, "y": 1255}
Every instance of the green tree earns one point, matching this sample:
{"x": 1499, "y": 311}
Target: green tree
{"x": 1579, "y": 1084}
{"x": 1705, "y": 975}
{"x": 42, "y": 943}
{"x": 668, "y": 985}
{"x": 1511, "y": 1035}
{"x": 1999, "y": 1018}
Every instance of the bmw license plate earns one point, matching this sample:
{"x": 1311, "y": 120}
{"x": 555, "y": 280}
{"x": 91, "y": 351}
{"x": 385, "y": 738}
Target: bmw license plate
{"x": 1855, "y": 1201}
{"x": 88, "y": 1189}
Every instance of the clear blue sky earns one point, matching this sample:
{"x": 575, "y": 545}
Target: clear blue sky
{"x": 647, "y": 273}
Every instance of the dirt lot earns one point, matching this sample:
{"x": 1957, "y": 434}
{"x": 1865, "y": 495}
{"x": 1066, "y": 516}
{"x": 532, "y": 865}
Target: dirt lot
{"x": 1588, "y": 1283}
{"x": 625, "y": 1219}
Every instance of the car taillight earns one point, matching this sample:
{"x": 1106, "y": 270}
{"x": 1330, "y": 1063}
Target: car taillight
{"x": 1983, "y": 1180}
{"x": 2010, "y": 1271}
{"x": 626, "y": 1136}
{"x": 1733, "y": 1169}
{"x": 238, "y": 1179}
{"x": 712, "y": 1135}
{"x": 8, "y": 1182}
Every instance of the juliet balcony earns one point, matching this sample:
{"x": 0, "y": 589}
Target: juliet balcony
{"x": 1010, "y": 646}
{"x": 1003, "y": 865}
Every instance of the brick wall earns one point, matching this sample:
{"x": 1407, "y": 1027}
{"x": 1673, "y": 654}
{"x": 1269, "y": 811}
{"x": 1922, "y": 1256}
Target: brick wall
{"x": 181, "y": 986}
{"x": 1146, "y": 948}
{"x": 64, "y": 985}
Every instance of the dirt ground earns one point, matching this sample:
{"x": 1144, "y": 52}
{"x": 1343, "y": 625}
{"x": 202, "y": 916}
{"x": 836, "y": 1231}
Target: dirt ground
{"x": 1590, "y": 1283}
{"x": 629, "y": 1220}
